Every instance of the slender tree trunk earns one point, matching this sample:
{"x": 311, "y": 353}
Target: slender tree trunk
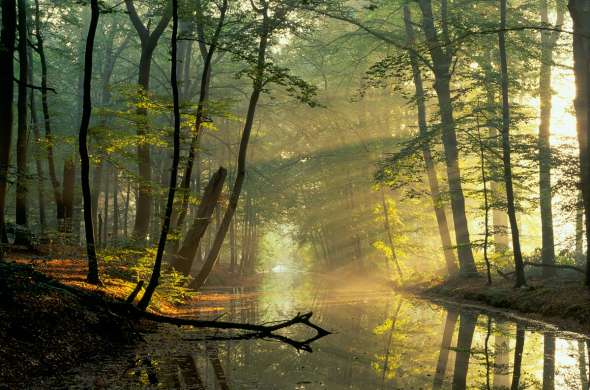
{"x": 580, "y": 13}
{"x": 126, "y": 215}
{"x": 7, "y": 41}
{"x": 442, "y": 61}
{"x": 151, "y": 288}
{"x": 387, "y": 228}
{"x": 116, "y": 210}
{"x": 435, "y": 193}
{"x": 548, "y": 42}
{"x": 201, "y": 115}
{"x": 83, "y": 145}
{"x": 22, "y": 236}
{"x": 257, "y": 87}
{"x": 107, "y": 194}
{"x": 37, "y": 152}
{"x": 69, "y": 175}
{"x": 149, "y": 41}
{"x": 486, "y": 205}
{"x": 506, "y": 158}
{"x": 57, "y": 194}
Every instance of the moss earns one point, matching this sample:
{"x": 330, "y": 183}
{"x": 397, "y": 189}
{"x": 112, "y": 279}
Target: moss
{"x": 560, "y": 302}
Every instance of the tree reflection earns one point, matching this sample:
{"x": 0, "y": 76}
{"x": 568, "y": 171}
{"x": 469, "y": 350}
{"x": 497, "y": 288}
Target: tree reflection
{"x": 465, "y": 338}
{"x": 445, "y": 347}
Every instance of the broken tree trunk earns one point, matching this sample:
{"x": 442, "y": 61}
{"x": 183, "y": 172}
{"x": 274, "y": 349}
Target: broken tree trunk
{"x": 184, "y": 258}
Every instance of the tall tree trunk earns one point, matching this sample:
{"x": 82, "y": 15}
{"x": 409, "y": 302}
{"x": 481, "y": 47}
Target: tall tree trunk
{"x": 387, "y": 228}
{"x": 7, "y": 41}
{"x": 258, "y": 85}
{"x": 116, "y": 216}
{"x": 148, "y": 41}
{"x": 580, "y": 13}
{"x": 69, "y": 175}
{"x": 93, "y": 276}
{"x": 105, "y": 209}
{"x": 22, "y": 236}
{"x": 201, "y": 115}
{"x": 435, "y": 193}
{"x": 57, "y": 194}
{"x": 548, "y": 42}
{"x": 151, "y": 288}
{"x": 442, "y": 61}
{"x": 518, "y": 263}
{"x": 38, "y": 163}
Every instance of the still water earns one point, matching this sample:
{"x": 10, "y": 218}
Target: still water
{"x": 381, "y": 340}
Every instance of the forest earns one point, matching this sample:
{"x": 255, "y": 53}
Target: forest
{"x": 295, "y": 194}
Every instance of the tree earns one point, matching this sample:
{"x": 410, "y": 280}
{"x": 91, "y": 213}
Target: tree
{"x": 435, "y": 192}
{"x": 149, "y": 41}
{"x": 580, "y": 13}
{"x": 267, "y": 26}
{"x": 518, "y": 263}
{"x": 93, "y": 276}
{"x": 7, "y": 41}
{"x": 441, "y": 52}
{"x": 548, "y": 43}
{"x": 151, "y": 288}
{"x": 22, "y": 237}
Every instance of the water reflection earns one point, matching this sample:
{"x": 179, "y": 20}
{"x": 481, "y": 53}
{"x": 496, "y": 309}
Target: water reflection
{"x": 381, "y": 341}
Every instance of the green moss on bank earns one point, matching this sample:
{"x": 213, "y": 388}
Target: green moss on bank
{"x": 565, "y": 303}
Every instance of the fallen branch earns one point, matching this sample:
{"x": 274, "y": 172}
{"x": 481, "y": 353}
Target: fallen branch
{"x": 562, "y": 266}
{"x": 256, "y": 331}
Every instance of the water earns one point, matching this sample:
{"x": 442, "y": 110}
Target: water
{"x": 381, "y": 340}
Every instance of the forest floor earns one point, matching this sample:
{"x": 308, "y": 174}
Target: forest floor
{"x": 563, "y": 303}
{"x": 46, "y": 328}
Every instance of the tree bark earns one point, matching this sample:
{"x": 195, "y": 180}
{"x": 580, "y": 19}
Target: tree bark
{"x": 149, "y": 42}
{"x": 69, "y": 175}
{"x": 435, "y": 193}
{"x": 7, "y": 41}
{"x": 151, "y": 288}
{"x": 442, "y": 61}
{"x": 548, "y": 42}
{"x": 183, "y": 260}
{"x": 506, "y": 153}
{"x": 22, "y": 235}
{"x": 57, "y": 194}
{"x": 580, "y": 13}
{"x": 93, "y": 276}
{"x": 38, "y": 162}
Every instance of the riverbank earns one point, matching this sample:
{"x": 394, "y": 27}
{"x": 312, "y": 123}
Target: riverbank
{"x": 47, "y": 328}
{"x": 565, "y": 304}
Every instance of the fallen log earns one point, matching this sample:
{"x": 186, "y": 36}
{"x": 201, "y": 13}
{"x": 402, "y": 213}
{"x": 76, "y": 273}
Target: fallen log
{"x": 559, "y": 266}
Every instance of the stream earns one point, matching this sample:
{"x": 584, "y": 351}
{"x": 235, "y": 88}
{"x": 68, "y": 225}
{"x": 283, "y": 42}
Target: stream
{"x": 381, "y": 340}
